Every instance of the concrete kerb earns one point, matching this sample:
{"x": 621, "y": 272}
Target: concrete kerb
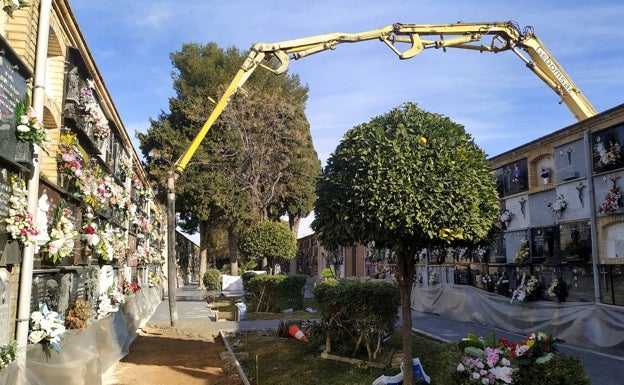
{"x": 243, "y": 326}
{"x": 239, "y": 368}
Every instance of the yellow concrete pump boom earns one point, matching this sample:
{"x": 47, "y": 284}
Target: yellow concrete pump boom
{"x": 503, "y": 36}
{"x": 418, "y": 37}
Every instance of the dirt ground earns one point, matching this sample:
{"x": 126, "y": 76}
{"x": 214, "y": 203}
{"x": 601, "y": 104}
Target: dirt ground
{"x": 185, "y": 354}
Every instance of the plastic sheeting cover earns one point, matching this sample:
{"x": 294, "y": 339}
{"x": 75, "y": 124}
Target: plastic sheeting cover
{"x": 89, "y": 353}
{"x": 589, "y": 325}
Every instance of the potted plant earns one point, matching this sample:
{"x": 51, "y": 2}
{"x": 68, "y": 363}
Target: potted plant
{"x": 545, "y": 174}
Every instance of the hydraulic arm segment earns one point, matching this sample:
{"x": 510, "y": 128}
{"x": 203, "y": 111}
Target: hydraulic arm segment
{"x": 415, "y": 38}
{"x": 501, "y": 36}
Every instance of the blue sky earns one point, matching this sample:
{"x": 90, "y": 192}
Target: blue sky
{"x": 499, "y": 101}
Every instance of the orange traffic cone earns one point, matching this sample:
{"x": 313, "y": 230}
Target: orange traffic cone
{"x": 294, "y": 331}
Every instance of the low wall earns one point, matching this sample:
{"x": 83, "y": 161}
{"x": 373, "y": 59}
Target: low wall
{"x": 590, "y": 325}
{"x": 87, "y": 354}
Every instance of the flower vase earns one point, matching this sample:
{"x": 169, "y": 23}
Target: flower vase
{"x": 23, "y": 152}
{"x": 85, "y": 256}
{"x": 11, "y": 253}
{"x": 7, "y": 143}
{"x": 546, "y": 180}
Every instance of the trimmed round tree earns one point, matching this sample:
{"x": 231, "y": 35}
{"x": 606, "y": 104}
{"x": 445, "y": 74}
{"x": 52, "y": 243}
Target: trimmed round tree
{"x": 268, "y": 240}
{"x": 406, "y": 180}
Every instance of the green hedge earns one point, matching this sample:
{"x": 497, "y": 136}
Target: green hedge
{"x": 357, "y": 314}
{"x": 273, "y": 293}
{"x": 212, "y": 279}
{"x": 561, "y": 370}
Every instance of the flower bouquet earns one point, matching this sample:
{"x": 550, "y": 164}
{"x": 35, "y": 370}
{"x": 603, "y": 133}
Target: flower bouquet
{"x": 527, "y": 290}
{"x": 46, "y": 328}
{"x": 536, "y": 348}
{"x": 611, "y": 202}
{"x": 13, "y": 5}
{"x": 8, "y": 353}
{"x": 69, "y": 162}
{"x": 154, "y": 279}
{"x": 19, "y": 223}
{"x": 485, "y": 362}
{"x": 29, "y": 128}
{"x": 490, "y": 362}
{"x": 488, "y": 282}
{"x": 125, "y": 168}
{"x": 137, "y": 185}
{"x": 130, "y": 287}
{"x": 101, "y": 131}
{"x": 62, "y": 234}
{"x": 558, "y": 206}
{"x": 522, "y": 256}
{"x": 558, "y": 289}
{"x": 110, "y": 300}
{"x": 505, "y": 217}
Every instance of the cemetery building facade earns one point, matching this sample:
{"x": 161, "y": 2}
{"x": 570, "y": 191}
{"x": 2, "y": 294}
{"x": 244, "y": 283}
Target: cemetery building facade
{"x": 561, "y": 210}
{"x": 95, "y": 228}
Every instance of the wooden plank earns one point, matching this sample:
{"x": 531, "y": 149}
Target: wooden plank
{"x": 353, "y": 361}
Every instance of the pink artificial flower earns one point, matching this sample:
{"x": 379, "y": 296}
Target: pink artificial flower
{"x": 68, "y": 158}
{"x": 32, "y": 114}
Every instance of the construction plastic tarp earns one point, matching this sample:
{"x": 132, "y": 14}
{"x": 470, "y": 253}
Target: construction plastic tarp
{"x": 86, "y": 354}
{"x": 590, "y": 325}
{"x": 233, "y": 285}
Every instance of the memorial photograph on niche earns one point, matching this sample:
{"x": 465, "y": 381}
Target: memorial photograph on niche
{"x": 607, "y": 149}
{"x": 512, "y": 178}
{"x": 544, "y": 244}
{"x": 575, "y": 241}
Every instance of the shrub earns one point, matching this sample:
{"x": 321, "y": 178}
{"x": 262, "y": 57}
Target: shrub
{"x": 274, "y": 293}
{"x": 270, "y": 240}
{"x": 562, "y": 369}
{"x": 8, "y": 354}
{"x": 212, "y": 279}
{"x": 327, "y": 273}
{"x": 357, "y": 314}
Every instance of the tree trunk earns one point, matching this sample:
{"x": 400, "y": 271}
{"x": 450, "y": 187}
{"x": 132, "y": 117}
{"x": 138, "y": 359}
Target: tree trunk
{"x": 293, "y": 223}
{"x": 203, "y": 251}
{"x": 264, "y": 265}
{"x": 405, "y": 262}
{"x": 233, "y": 251}
{"x": 406, "y": 313}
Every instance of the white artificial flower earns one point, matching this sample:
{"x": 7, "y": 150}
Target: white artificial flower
{"x": 23, "y": 128}
{"x": 36, "y": 316}
{"x": 36, "y": 336}
{"x": 503, "y": 373}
